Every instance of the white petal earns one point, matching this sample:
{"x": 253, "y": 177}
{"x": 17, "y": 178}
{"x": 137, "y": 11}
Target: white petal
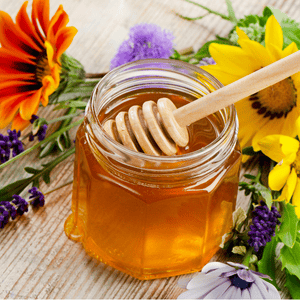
{"x": 192, "y": 294}
{"x": 267, "y": 289}
{"x": 272, "y": 291}
{"x": 204, "y": 279}
{"x": 215, "y": 265}
{"x": 237, "y": 293}
{"x": 246, "y": 294}
{"x": 218, "y": 291}
{"x": 255, "y": 292}
{"x": 228, "y": 293}
{"x": 208, "y": 285}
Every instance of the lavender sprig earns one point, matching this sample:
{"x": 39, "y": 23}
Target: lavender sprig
{"x": 10, "y": 145}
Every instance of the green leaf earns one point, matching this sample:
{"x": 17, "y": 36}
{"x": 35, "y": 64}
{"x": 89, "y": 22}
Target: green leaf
{"x": 290, "y": 259}
{"x": 293, "y": 284}
{"x": 267, "y": 12}
{"x": 266, "y": 264}
{"x": 231, "y": 13}
{"x": 16, "y": 187}
{"x": 265, "y": 193}
{"x": 289, "y": 226}
{"x": 31, "y": 170}
{"x": 204, "y": 50}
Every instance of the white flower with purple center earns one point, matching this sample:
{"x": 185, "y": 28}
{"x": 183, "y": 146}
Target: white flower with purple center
{"x": 145, "y": 41}
{"x": 228, "y": 281}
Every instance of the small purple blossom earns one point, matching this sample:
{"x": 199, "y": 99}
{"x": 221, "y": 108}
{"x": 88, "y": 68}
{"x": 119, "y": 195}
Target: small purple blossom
{"x": 41, "y": 133}
{"x": 11, "y": 209}
{"x": 206, "y": 61}
{"x": 145, "y": 41}
{"x": 37, "y": 198}
{"x": 21, "y": 204}
{"x": 263, "y": 226}
{"x": 228, "y": 281}
{"x": 10, "y": 144}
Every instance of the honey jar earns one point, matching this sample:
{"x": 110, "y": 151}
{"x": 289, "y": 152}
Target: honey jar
{"x": 154, "y": 216}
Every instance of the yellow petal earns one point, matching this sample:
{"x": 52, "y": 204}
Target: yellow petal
{"x": 30, "y": 105}
{"x": 277, "y": 146}
{"x": 290, "y": 158}
{"x": 290, "y": 186}
{"x": 274, "y": 34}
{"x": 275, "y": 51}
{"x": 217, "y": 72}
{"x": 298, "y": 126}
{"x": 272, "y": 127}
{"x": 242, "y": 35}
{"x": 296, "y": 198}
{"x": 291, "y": 48}
{"x": 290, "y": 128}
{"x": 278, "y": 177}
{"x": 258, "y": 52}
{"x": 50, "y": 53}
{"x": 233, "y": 59}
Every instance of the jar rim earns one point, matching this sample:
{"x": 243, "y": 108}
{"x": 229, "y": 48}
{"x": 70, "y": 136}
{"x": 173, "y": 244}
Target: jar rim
{"x": 229, "y": 112}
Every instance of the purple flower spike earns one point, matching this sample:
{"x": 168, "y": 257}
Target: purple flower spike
{"x": 10, "y": 144}
{"x": 264, "y": 224}
{"x": 37, "y": 197}
{"x": 228, "y": 281}
{"x": 145, "y": 41}
{"x": 21, "y": 204}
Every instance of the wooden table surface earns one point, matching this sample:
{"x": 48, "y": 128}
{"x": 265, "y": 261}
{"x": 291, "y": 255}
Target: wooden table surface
{"x": 37, "y": 260}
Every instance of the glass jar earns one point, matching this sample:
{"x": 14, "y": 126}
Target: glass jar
{"x": 154, "y": 216}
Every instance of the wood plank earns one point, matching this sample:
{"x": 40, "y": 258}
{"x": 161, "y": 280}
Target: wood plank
{"x": 37, "y": 260}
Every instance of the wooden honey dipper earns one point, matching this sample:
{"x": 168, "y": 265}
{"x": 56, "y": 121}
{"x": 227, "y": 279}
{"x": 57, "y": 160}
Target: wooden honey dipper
{"x": 163, "y": 125}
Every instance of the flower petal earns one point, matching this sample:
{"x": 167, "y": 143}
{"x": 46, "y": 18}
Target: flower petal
{"x": 233, "y": 58}
{"x": 40, "y": 11}
{"x": 291, "y": 48}
{"x": 278, "y": 177}
{"x": 242, "y": 35}
{"x": 254, "y": 292}
{"x": 267, "y": 289}
{"x": 30, "y": 105}
{"x": 277, "y": 146}
{"x": 18, "y": 123}
{"x": 64, "y": 40}
{"x": 274, "y": 35}
{"x": 296, "y": 198}
{"x": 258, "y": 52}
{"x": 289, "y": 188}
{"x": 215, "y": 266}
{"x": 272, "y": 291}
{"x": 23, "y": 21}
{"x": 220, "y": 74}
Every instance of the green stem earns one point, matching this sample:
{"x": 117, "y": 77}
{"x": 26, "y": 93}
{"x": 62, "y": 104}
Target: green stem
{"x": 64, "y": 118}
{"x": 51, "y": 137}
{"x": 59, "y": 187}
{"x": 247, "y": 257}
{"x": 209, "y": 10}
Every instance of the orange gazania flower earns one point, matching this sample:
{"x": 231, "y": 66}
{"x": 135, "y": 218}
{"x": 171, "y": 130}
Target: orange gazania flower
{"x": 30, "y": 60}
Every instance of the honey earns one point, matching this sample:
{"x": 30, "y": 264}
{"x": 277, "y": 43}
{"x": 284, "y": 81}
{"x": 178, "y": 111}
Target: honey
{"x": 147, "y": 216}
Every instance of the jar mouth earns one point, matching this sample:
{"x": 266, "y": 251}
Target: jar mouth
{"x": 194, "y": 75}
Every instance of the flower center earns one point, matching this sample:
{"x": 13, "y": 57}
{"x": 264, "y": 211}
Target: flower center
{"x": 42, "y": 67}
{"x": 238, "y": 282}
{"x": 275, "y": 101}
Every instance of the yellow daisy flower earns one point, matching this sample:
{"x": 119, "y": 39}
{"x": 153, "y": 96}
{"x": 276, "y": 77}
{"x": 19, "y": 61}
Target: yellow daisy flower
{"x": 273, "y": 110}
{"x": 285, "y": 151}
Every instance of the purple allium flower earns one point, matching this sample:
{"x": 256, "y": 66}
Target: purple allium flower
{"x": 10, "y": 144}
{"x": 21, "y": 204}
{"x": 145, "y": 41}
{"x": 264, "y": 223}
{"x": 228, "y": 281}
{"x": 37, "y": 197}
{"x": 206, "y": 61}
{"x": 41, "y": 133}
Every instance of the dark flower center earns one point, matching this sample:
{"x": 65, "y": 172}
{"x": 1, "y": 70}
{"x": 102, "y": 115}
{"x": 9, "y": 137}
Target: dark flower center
{"x": 238, "y": 282}
{"x": 275, "y": 101}
{"x": 42, "y": 68}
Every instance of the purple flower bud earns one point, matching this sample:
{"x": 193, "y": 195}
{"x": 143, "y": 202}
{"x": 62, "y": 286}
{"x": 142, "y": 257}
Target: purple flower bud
{"x": 37, "y": 197}
{"x": 263, "y": 226}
